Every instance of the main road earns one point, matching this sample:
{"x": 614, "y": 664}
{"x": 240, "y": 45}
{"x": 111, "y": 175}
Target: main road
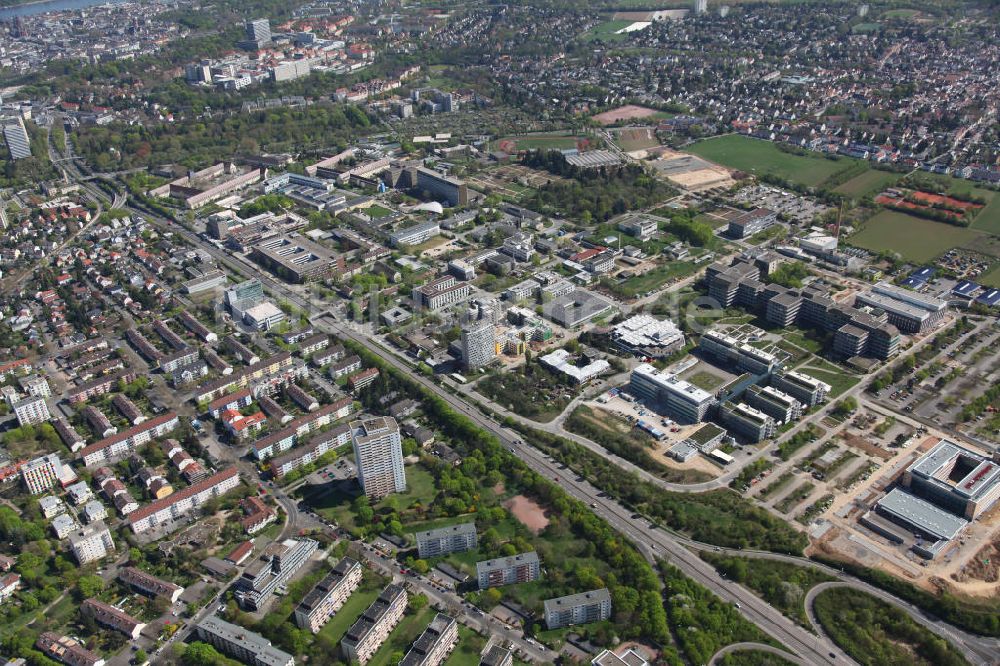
{"x": 653, "y": 543}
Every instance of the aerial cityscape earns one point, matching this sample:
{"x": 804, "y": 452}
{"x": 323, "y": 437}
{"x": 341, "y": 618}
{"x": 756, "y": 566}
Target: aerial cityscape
{"x": 481, "y": 333}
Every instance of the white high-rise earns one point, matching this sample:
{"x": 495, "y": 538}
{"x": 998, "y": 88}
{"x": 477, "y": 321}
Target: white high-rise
{"x": 478, "y": 344}
{"x": 700, "y": 6}
{"x": 378, "y": 453}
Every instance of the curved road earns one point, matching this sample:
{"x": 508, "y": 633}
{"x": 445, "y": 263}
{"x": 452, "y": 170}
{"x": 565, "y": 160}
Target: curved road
{"x": 754, "y": 647}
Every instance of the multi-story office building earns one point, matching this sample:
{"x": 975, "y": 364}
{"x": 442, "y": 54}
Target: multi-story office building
{"x": 258, "y": 34}
{"x": 777, "y": 404}
{"x": 92, "y": 542}
{"x": 724, "y": 283}
{"x": 909, "y": 311}
{"x": 244, "y": 295}
{"x": 297, "y": 259}
{"x": 807, "y": 390}
{"x": 478, "y": 341}
{"x": 743, "y": 419}
{"x": 444, "y": 540}
{"x": 435, "y": 644}
{"x": 43, "y": 472}
{"x": 31, "y": 410}
{"x": 365, "y": 637}
{"x": 240, "y": 644}
{"x": 751, "y": 223}
{"x": 684, "y": 402}
{"x": 378, "y": 453}
{"x": 736, "y": 352}
{"x": 329, "y": 595}
{"x": 645, "y": 335}
{"x": 441, "y": 292}
{"x": 439, "y": 186}
{"x": 955, "y": 478}
{"x": 520, "y": 568}
{"x": 275, "y": 566}
{"x": 415, "y": 235}
{"x": 580, "y": 608}
{"x": 110, "y": 617}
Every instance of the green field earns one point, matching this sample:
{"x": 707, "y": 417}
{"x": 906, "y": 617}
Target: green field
{"x": 544, "y": 141}
{"x": 988, "y": 219}
{"x": 838, "y": 381}
{"x": 606, "y": 31}
{"x": 763, "y": 157}
{"x": 991, "y": 279}
{"x": 869, "y": 183}
{"x": 351, "y": 611}
{"x": 913, "y": 238}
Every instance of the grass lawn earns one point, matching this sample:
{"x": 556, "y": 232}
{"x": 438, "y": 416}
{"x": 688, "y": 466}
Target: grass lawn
{"x": 991, "y": 279}
{"x": 989, "y": 218}
{"x": 334, "y": 502}
{"x": 914, "y": 238}
{"x": 654, "y": 279}
{"x": 377, "y": 211}
{"x": 606, "y": 31}
{"x": 470, "y": 645}
{"x": 867, "y": 183}
{"x": 346, "y": 616}
{"x": 763, "y": 157}
{"x": 706, "y": 380}
{"x": 543, "y": 141}
{"x": 838, "y": 381}
{"x": 799, "y": 339}
{"x": 402, "y": 636}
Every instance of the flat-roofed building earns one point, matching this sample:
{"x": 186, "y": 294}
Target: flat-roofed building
{"x": 443, "y": 540}
{"x": 329, "y": 595}
{"x": 366, "y": 635}
{"x": 645, "y": 335}
{"x": 751, "y": 222}
{"x": 743, "y": 419}
{"x": 521, "y": 568}
{"x": 683, "y": 401}
{"x": 435, "y": 644}
{"x": 378, "y": 453}
{"x": 807, "y": 390}
{"x": 273, "y": 567}
{"x": 241, "y": 644}
{"x": 580, "y": 608}
{"x": 92, "y": 542}
{"x": 909, "y": 311}
{"x": 441, "y": 292}
{"x": 744, "y": 356}
{"x": 777, "y": 404}
{"x": 297, "y": 259}
{"x": 496, "y": 655}
{"x": 415, "y": 235}
{"x": 955, "y": 478}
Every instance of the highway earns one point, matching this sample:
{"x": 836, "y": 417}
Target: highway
{"x": 653, "y": 543}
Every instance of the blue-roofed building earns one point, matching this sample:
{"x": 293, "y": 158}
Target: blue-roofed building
{"x": 923, "y": 274}
{"x": 913, "y": 282}
{"x": 990, "y": 298}
{"x": 965, "y": 289}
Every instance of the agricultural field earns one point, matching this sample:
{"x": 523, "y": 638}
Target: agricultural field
{"x": 869, "y": 183}
{"x": 913, "y": 238}
{"x": 762, "y": 157}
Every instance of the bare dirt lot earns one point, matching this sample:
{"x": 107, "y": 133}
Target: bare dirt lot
{"x": 627, "y": 112}
{"x": 528, "y": 512}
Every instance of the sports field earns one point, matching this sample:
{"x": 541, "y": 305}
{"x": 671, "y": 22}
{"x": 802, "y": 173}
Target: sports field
{"x": 914, "y": 238}
{"x": 763, "y": 157}
{"x": 868, "y": 183}
{"x": 512, "y": 144}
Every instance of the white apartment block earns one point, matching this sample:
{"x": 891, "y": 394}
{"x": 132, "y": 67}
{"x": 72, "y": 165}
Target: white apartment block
{"x": 92, "y": 542}
{"x": 365, "y": 637}
{"x": 378, "y": 453}
{"x": 329, "y": 595}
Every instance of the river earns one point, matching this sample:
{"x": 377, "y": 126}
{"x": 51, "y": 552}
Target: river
{"x": 33, "y": 8}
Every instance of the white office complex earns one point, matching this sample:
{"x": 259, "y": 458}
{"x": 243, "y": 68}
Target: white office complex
{"x": 365, "y": 637}
{"x": 378, "y": 453}
{"x": 807, "y": 390}
{"x": 435, "y": 644}
{"x": 479, "y": 345}
{"x": 444, "y": 540}
{"x": 415, "y": 235}
{"x": 777, "y": 404}
{"x": 743, "y": 419}
{"x": 683, "y": 401}
{"x": 91, "y": 543}
{"x": 645, "y": 335}
{"x": 581, "y": 608}
{"x": 732, "y": 350}
{"x": 275, "y": 566}
{"x": 240, "y": 644}
{"x": 329, "y": 595}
